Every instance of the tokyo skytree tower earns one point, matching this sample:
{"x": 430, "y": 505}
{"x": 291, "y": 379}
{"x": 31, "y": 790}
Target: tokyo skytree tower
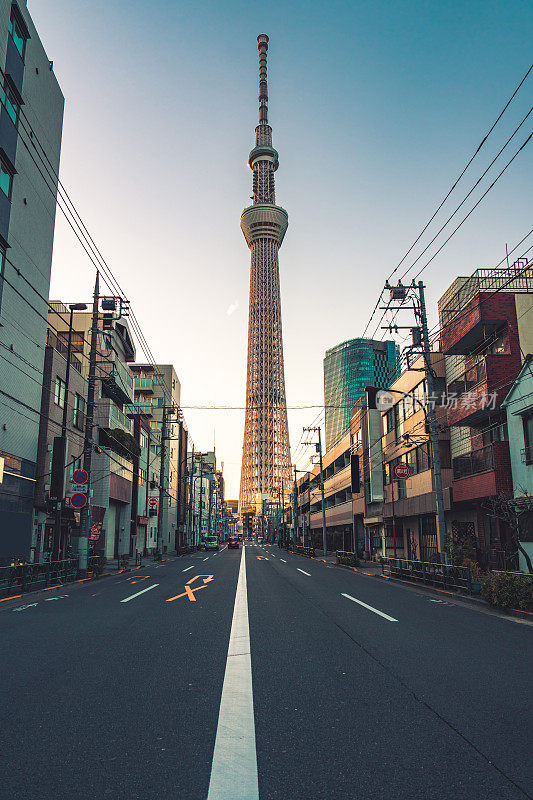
{"x": 266, "y": 451}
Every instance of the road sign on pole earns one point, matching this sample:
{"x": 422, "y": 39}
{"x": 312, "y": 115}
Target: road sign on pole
{"x": 402, "y": 471}
{"x": 78, "y": 500}
{"x": 80, "y": 476}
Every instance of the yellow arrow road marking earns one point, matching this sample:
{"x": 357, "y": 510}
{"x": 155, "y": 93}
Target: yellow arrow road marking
{"x": 207, "y": 578}
{"x": 189, "y": 590}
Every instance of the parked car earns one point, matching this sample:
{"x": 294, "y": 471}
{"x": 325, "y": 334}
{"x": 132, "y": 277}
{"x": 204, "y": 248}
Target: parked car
{"x": 233, "y": 542}
{"x": 211, "y": 543}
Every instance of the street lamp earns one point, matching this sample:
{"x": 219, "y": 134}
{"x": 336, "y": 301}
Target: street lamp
{"x": 59, "y": 542}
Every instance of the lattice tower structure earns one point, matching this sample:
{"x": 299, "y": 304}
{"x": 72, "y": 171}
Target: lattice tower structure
{"x": 266, "y": 451}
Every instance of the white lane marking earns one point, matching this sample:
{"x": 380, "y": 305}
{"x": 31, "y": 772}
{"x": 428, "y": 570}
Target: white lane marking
{"x": 234, "y": 768}
{"x": 206, "y": 559}
{"x": 188, "y": 568}
{"x": 23, "y": 608}
{"x": 370, "y": 608}
{"x": 272, "y": 554}
{"x": 304, "y": 572}
{"x": 282, "y": 559}
{"x": 131, "y": 597}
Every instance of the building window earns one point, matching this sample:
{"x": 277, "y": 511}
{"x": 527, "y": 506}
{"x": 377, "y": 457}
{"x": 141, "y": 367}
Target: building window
{"x": 17, "y": 32}
{"x": 144, "y": 441}
{"x": 411, "y": 460}
{"x": 59, "y": 392}
{"x": 527, "y": 422}
{"x": 74, "y": 465}
{"x": 423, "y": 457}
{"x": 10, "y": 102}
{"x": 79, "y": 411}
{"x": 6, "y": 179}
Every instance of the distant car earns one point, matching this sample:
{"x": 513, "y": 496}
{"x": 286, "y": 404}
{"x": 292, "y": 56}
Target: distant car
{"x": 233, "y": 542}
{"x": 211, "y": 543}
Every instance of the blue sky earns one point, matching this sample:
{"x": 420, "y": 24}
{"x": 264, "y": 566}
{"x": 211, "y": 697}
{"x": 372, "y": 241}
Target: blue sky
{"x": 376, "y": 107}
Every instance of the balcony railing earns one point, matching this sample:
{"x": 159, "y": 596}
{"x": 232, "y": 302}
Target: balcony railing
{"x": 515, "y": 278}
{"x": 53, "y": 341}
{"x": 117, "y": 380}
{"x": 469, "y": 379}
{"x": 480, "y": 460}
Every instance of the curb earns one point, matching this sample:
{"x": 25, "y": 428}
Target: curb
{"x": 526, "y": 616}
{"x": 36, "y": 592}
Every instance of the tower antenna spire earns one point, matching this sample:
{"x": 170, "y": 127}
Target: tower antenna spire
{"x": 262, "y": 44}
{"x": 266, "y": 451}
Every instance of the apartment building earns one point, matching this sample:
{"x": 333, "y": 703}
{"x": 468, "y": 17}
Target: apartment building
{"x": 31, "y": 111}
{"x": 112, "y": 460}
{"x": 53, "y": 533}
{"x": 486, "y": 333}
{"x": 156, "y": 387}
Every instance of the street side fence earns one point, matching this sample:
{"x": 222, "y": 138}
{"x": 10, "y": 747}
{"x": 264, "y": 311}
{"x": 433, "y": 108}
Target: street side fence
{"x": 29, "y": 577}
{"x": 443, "y": 576}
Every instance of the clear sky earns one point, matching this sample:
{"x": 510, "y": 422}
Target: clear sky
{"x": 375, "y": 106}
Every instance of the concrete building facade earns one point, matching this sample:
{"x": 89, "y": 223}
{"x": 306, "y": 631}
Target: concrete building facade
{"x": 485, "y": 334}
{"x": 32, "y": 106}
{"x": 157, "y": 386}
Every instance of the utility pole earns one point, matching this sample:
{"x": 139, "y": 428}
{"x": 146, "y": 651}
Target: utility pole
{"x": 441, "y": 519}
{"x": 319, "y": 449}
{"x": 85, "y": 514}
{"x": 59, "y": 544}
{"x": 295, "y": 509}
{"x": 400, "y": 293}
{"x": 190, "y": 534}
{"x": 159, "y": 543}
{"x": 284, "y": 532}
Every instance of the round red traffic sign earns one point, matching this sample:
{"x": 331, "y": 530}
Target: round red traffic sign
{"x": 78, "y": 500}
{"x": 152, "y": 502}
{"x": 80, "y": 476}
{"x": 402, "y": 471}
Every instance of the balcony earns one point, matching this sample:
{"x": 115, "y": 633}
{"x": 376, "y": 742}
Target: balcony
{"x": 482, "y": 473}
{"x": 464, "y": 329}
{"x": 481, "y": 389}
{"x": 117, "y": 382}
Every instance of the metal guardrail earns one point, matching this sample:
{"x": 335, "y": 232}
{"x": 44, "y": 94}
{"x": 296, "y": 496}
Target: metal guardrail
{"x": 444, "y": 576}
{"x": 28, "y": 577}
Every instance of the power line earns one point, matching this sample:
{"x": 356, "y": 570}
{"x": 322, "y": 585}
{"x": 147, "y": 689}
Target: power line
{"x": 479, "y": 147}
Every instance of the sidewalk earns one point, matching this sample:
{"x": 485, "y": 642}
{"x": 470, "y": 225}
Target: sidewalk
{"x": 112, "y": 566}
{"x": 366, "y": 567}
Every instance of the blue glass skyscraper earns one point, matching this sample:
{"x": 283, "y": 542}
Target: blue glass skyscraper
{"x": 349, "y": 368}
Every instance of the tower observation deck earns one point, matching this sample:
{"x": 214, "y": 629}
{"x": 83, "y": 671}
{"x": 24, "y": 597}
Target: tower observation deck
{"x": 266, "y": 452}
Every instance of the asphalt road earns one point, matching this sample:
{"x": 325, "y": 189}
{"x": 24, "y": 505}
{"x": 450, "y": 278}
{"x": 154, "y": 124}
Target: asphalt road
{"x": 268, "y": 676}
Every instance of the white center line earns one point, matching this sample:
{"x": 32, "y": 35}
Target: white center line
{"x": 138, "y": 593}
{"x": 304, "y": 572}
{"x": 205, "y": 559}
{"x": 282, "y": 559}
{"x": 370, "y": 608}
{"x": 188, "y": 568}
{"x": 234, "y": 768}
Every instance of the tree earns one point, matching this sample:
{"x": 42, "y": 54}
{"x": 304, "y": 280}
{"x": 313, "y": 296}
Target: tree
{"x": 514, "y": 511}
